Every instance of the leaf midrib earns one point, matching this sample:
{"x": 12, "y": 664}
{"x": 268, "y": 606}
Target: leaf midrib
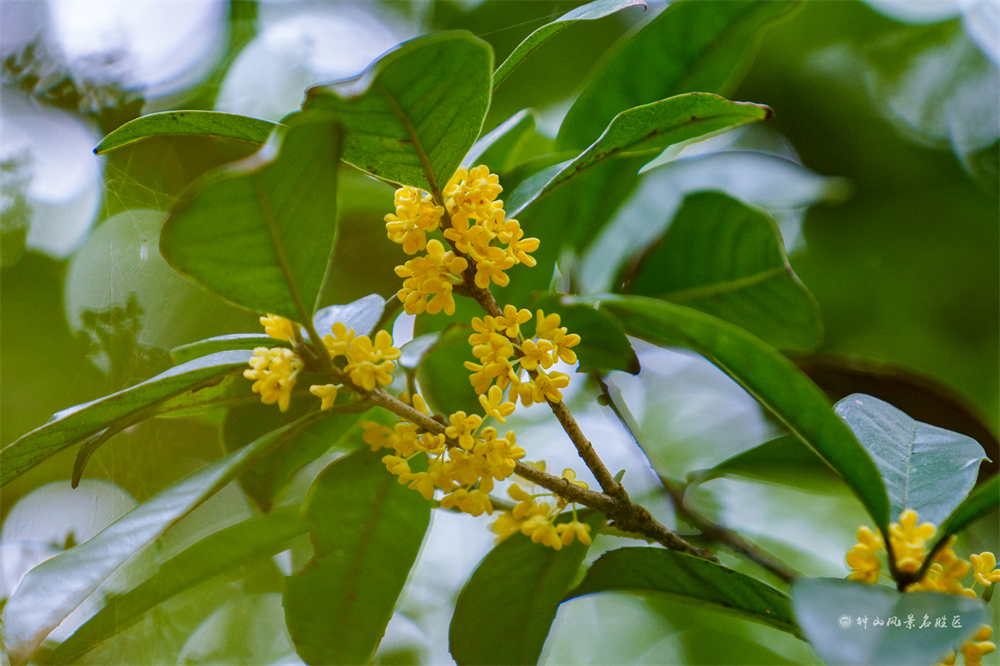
{"x": 720, "y": 288}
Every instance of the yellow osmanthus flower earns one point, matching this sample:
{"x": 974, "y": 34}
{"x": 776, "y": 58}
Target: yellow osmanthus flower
{"x": 432, "y": 276}
{"x": 945, "y": 573}
{"x": 494, "y": 405}
{"x": 980, "y": 645}
{"x": 370, "y": 363}
{"x": 984, "y": 569}
{"x": 574, "y": 530}
{"x": 278, "y": 328}
{"x": 510, "y": 323}
{"x": 327, "y": 393}
{"x": 463, "y": 428}
{"x": 340, "y": 341}
{"x": 416, "y": 214}
{"x": 274, "y": 373}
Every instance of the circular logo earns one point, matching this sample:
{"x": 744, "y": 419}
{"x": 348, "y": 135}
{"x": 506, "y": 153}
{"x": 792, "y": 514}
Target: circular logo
{"x": 845, "y": 622}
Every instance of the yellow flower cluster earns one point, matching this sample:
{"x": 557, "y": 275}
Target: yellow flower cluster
{"x": 909, "y": 543}
{"x": 537, "y": 520}
{"x": 275, "y": 371}
{"x": 494, "y": 340}
{"x": 464, "y": 472}
{"x": 416, "y": 214}
{"x": 477, "y": 220}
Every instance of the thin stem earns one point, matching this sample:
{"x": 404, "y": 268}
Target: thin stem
{"x": 711, "y": 531}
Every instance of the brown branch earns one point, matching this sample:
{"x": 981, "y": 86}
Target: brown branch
{"x": 709, "y": 530}
{"x": 624, "y": 514}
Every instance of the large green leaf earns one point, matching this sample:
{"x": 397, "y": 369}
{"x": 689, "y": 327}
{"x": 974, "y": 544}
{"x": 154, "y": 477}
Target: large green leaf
{"x": 769, "y": 377}
{"x": 838, "y": 618}
{"x": 222, "y": 551}
{"x": 660, "y": 571}
{"x": 523, "y": 582}
{"x": 603, "y": 345}
{"x": 588, "y": 12}
{"x": 265, "y": 481}
{"x": 189, "y": 123}
{"x": 726, "y": 258}
{"x": 260, "y": 233}
{"x": 411, "y": 117}
{"x": 783, "y": 460}
{"x": 366, "y": 530}
{"x": 925, "y": 468}
{"x": 55, "y": 588}
{"x": 691, "y": 46}
{"x": 645, "y": 130}
{"x": 193, "y": 383}
{"x": 980, "y": 501}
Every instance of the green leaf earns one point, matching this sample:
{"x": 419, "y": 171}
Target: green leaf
{"x": 925, "y": 468}
{"x": 362, "y": 315}
{"x": 411, "y": 117}
{"x": 519, "y": 584}
{"x": 444, "y": 380}
{"x": 603, "y": 345}
{"x": 783, "y": 460}
{"x": 831, "y": 611}
{"x": 222, "y": 551}
{"x": 55, "y": 588}
{"x": 766, "y": 375}
{"x": 413, "y": 352}
{"x": 265, "y": 481}
{"x": 588, "y": 12}
{"x": 189, "y": 123}
{"x": 656, "y": 570}
{"x": 179, "y": 387}
{"x": 980, "y": 501}
{"x": 691, "y": 46}
{"x": 261, "y": 233}
{"x": 499, "y": 148}
{"x": 366, "y": 530}
{"x": 221, "y": 343}
{"x": 646, "y": 130}
{"x": 726, "y": 258}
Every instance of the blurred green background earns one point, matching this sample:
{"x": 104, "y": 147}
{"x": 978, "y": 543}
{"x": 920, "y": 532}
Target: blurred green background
{"x": 900, "y": 244}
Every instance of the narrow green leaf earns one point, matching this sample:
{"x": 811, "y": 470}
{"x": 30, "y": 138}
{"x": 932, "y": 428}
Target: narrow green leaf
{"x": 603, "y": 345}
{"x": 691, "y": 46}
{"x": 783, "y": 460}
{"x": 411, "y": 117}
{"x": 980, "y": 501}
{"x": 261, "y": 233}
{"x": 366, "y": 530}
{"x": 766, "y": 375}
{"x": 55, "y": 588}
{"x": 646, "y": 130}
{"x": 925, "y": 468}
{"x": 221, "y": 343}
{"x": 182, "y": 386}
{"x": 656, "y": 570}
{"x": 726, "y": 258}
{"x": 523, "y": 582}
{"x": 361, "y": 315}
{"x": 500, "y": 147}
{"x": 839, "y": 617}
{"x": 220, "y": 552}
{"x": 588, "y": 12}
{"x": 444, "y": 380}
{"x": 265, "y": 481}
{"x": 189, "y": 123}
